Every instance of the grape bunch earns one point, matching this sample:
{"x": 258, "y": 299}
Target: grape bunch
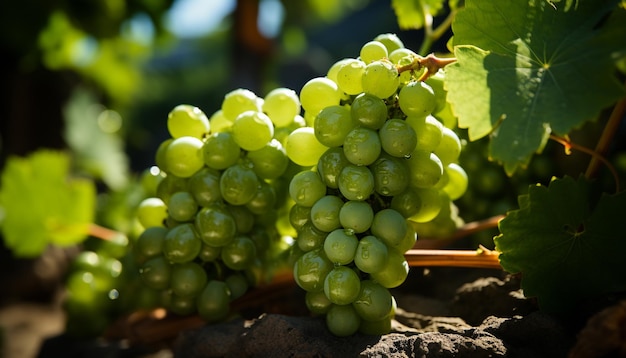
{"x": 380, "y": 165}
{"x": 210, "y": 230}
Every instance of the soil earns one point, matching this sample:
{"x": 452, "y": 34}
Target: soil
{"x": 442, "y": 312}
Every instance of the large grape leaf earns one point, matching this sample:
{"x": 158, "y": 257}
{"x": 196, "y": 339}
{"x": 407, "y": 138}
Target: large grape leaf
{"x": 41, "y": 204}
{"x": 528, "y": 68}
{"x": 568, "y": 244}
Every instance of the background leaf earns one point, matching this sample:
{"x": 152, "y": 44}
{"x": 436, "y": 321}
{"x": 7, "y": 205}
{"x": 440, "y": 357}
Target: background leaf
{"x": 567, "y": 245}
{"x": 411, "y": 13}
{"x": 546, "y": 72}
{"x": 42, "y": 204}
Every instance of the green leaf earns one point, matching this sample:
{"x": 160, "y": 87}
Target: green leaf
{"x": 411, "y": 13}
{"x": 568, "y": 244}
{"x": 42, "y": 204}
{"x": 526, "y": 69}
{"x": 96, "y": 151}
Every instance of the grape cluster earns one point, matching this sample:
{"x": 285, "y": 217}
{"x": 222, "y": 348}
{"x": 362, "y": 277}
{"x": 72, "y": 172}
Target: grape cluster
{"x": 380, "y": 164}
{"x": 210, "y": 230}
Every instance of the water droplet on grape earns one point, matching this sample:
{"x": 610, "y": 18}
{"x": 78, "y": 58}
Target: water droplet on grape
{"x": 407, "y": 156}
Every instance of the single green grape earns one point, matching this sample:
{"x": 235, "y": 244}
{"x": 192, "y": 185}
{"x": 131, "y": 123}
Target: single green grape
{"x": 342, "y": 285}
{"x": 182, "y": 206}
{"x": 204, "y": 186}
{"x": 303, "y": 148}
{"x": 299, "y": 215}
{"x": 431, "y": 204}
{"x": 428, "y": 131}
{"x": 334, "y": 69}
{"x": 349, "y": 76}
{"x": 330, "y": 165}
{"x": 188, "y": 279}
{"x": 342, "y": 320}
{"x": 356, "y": 216}
{"x": 269, "y": 162}
{"x": 325, "y": 213}
{"x": 362, "y": 146}
{"x": 216, "y": 226}
{"x": 390, "y": 227}
{"x": 371, "y": 254}
{"x": 369, "y": 111}
{"x": 397, "y": 138}
{"x": 238, "y": 184}
{"x": 237, "y": 284}
{"x": 449, "y": 148}
{"x": 252, "y": 130}
{"x": 425, "y": 169}
{"x": 220, "y": 151}
{"x": 150, "y": 242}
{"x": 310, "y": 270}
{"x": 181, "y": 244}
{"x": 356, "y": 183}
{"x": 151, "y": 212}
{"x": 391, "y": 175}
{"x": 374, "y": 301}
{"x": 372, "y": 51}
{"x": 319, "y": 93}
{"x": 395, "y": 271}
{"x": 310, "y": 237}
{"x": 416, "y": 99}
{"x": 183, "y": 156}
{"x": 214, "y": 301}
{"x": 187, "y": 120}
{"x": 380, "y": 79}
{"x": 156, "y": 272}
{"x": 239, "y": 253}
{"x": 219, "y": 122}
{"x": 170, "y": 185}
{"x": 263, "y": 201}
{"x": 317, "y": 302}
{"x": 391, "y": 41}
{"x": 282, "y": 105}
{"x": 340, "y": 246}
{"x": 306, "y": 188}
{"x": 238, "y": 101}
{"x": 457, "y": 181}
{"x": 332, "y": 125}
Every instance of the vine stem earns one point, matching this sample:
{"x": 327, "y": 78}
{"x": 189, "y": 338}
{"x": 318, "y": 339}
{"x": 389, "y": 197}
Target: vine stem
{"x": 431, "y": 63}
{"x": 606, "y": 138}
{"x": 430, "y": 35}
{"x": 102, "y": 232}
{"x": 569, "y": 145}
{"x": 481, "y": 258}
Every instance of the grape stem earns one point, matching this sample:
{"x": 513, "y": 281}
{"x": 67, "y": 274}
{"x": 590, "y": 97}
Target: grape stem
{"x": 610, "y": 129}
{"x": 102, "y": 232}
{"x": 569, "y": 145}
{"x": 430, "y": 35}
{"x": 431, "y": 63}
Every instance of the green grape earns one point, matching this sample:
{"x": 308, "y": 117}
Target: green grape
{"x": 303, "y": 148}
{"x": 188, "y": 279}
{"x": 397, "y": 138}
{"x": 209, "y": 253}
{"x": 216, "y": 226}
{"x": 349, "y": 76}
{"x": 214, "y": 301}
{"x": 369, "y": 111}
{"x": 356, "y": 216}
{"x": 317, "y": 302}
{"x": 416, "y": 99}
{"x": 362, "y": 146}
{"x": 334, "y": 69}
{"x": 332, "y": 125}
{"x": 159, "y": 157}
{"x": 318, "y": 93}
{"x": 269, "y": 162}
{"x": 376, "y": 328}
{"x": 151, "y": 212}
{"x": 380, "y": 79}
{"x": 391, "y": 175}
{"x": 330, "y": 165}
{"x": 204, "y": 186}
{"x": 182, "y": 305}
{"x": 182, "y": 206}
{"x": 325, "y": 213}
{"x": 396, "y": 55}
{"x": 239, "y": 253}
{"x": 450, "y": 147}
{"x": 237, "y": 284}
{"x": 220, "y": 151}
{"x": 238, "y": 101}
{"x": 373, "y": 51}
{"x": 340, "y": 246}
{"x": 252, "y": 130}
{"x": 299, "y": 215}
{"x": 186, "y": 120}
{"x": 425, "y": 169}
{"x": 150, "y": 241}
{"x": 263, "y": 201}
{"x": 430, "y": 205}
{"x": 282, "y": 105}
{"x": 390, "y": 227}
{"x": 219, "y": 122}
{"x": 428, "y": 130}
{"x": 342, "y": 320}
{"x": 342, "y": 285}
{"x": 181, "y": 244}
{"x": 170, "y": 185}
{"x": 183, "y": 156}
{"x": 310, "y": 270}
{"x": 238, "y": 184}
{"x": 457, "y": 181}
{"x": 306, "y": 188}
{"x": 394, "y": 272}
{"x": 391, "y": 41}
{"x": 156, "y": 272}
{"x": 374, "y": 301}
{"x": 356, "y": 183}
{"x": 310, "y": 238}
{"x": 371, "y": 254}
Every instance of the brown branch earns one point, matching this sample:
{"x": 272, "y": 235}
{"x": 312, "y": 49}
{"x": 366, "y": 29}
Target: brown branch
{"x": 568, "y": 145}
{"x": 102, "y": 232}
{"x": 453, "y": 258}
